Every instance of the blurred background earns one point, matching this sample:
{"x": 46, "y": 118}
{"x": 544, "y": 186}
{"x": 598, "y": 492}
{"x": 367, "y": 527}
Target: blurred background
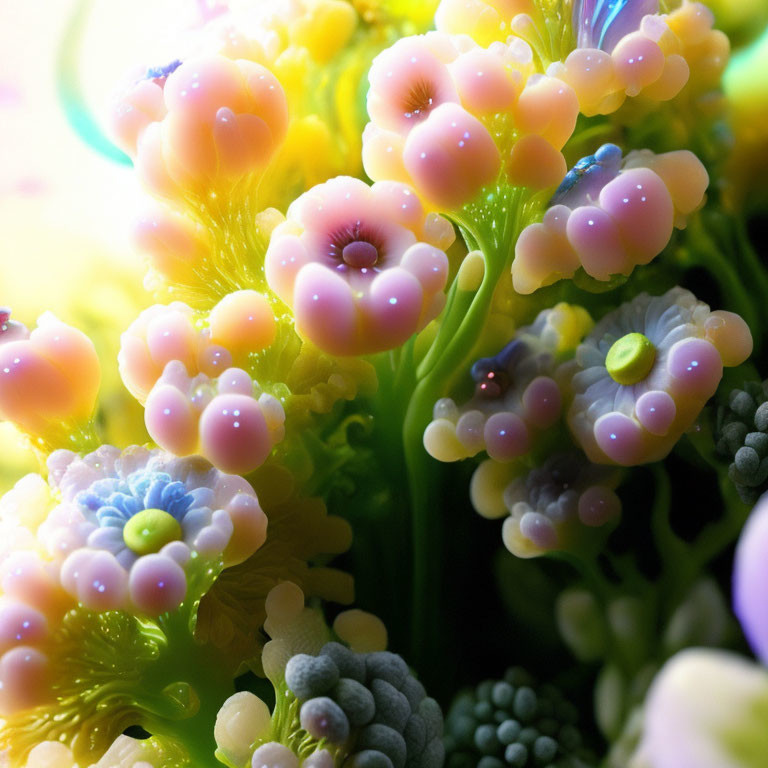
{"x": 66, "y": 209}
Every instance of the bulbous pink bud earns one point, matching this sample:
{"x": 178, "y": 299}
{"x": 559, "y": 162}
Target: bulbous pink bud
{"x": 234, "y": 433}
{"x": 171, "y": 420}
{"x": 156, "y": 584}
{"x": 225, "y": 119}
{"x": 20, "y": 624}
{"x": 641, "y": 206}
{"x": 451, "y": 157}
{"x": 51, "y": 377}
{"x": 24, "y": 679}
{"x": 547, "y": 107}
{"x": 101, "y": 582}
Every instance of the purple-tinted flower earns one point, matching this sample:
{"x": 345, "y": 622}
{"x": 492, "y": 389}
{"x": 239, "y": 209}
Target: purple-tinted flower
{"x": 750, "y": 580}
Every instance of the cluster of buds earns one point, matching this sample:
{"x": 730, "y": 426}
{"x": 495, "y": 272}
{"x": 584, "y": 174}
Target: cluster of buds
{"x": 206, "y": 123}
{"x": 609, "y": 215}
{"x": 438, "y": 105}
{"x": 227, "y": 420}
{"x": 241, "y": 324}
{"x": 516, "y": 396}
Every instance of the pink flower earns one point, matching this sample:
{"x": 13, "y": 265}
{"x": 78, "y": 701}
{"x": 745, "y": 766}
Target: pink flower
{"x": 516, "y": 397}
{"x": 431, "y": 102}
{"x": 228, "y": 420}
{"x": 363, "y": 268}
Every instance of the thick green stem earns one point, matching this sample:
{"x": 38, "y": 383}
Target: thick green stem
{"x": 495, "y": 234}
{"x": 183, "y": 691}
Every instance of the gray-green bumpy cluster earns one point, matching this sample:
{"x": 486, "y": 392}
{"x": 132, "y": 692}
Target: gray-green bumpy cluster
{"x": 742, "y": 436}
{"x": 513, "y": 722}
{"x": 371, "y": 703}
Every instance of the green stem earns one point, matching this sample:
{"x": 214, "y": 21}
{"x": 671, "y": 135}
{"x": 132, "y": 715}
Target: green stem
{"x": 501, "y": 214}
{"x": 184, "y": 691}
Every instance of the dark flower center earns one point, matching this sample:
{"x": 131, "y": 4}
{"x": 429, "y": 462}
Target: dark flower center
{"x": 493, "y": 375}
{"x": 356, "y": 246}
{"x": 419, "y": 102}
{"x": 360, "y": 254}
{"x": 493, "y": 385}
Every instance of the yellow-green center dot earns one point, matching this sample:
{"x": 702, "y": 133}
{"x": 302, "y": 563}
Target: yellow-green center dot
{"x": 630, "y": 359}
{"x": 150, "y": 530}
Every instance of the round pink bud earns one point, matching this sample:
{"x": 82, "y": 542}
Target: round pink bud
{"x": 325, "y": 310}
{"x": 548, "y": 107}
{"x": 32, "y": 389}
{"x": 171, "y": 420}
{"x": 213, "y": 360}
{"x": 696, "y": 365}
{"x": 506, "y": 436}
{"x": 639, "y": 62}
{"x": 640, "y": 204}
{"x": 134, "y": 111}
{"x": 234, "y": 435}
{"x": 101, "y": 582}
{"x": 428, "y": 264}
{"x": 157, "y": 584}
{"x": 171, "y": 336}
{"x": 595, "y": 237}
{"x": 619, "y": 438}
{"x": 656, "y": 411}
{"x": 483, "y": 83}
{"x": 25, "y": 579}
{"x": 598, "y": 505}
{"x": 394, "y": 307}
{"x": 542, "y": 402}
{"x": 235, "y": 381}
{"x": 24, "y": 676}
{"x": 20, "y": 624}
{"x": 451, "y": 157}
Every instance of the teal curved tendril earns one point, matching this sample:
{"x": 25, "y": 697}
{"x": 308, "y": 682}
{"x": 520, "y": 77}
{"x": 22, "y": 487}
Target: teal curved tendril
{"x": 70, "y": 91}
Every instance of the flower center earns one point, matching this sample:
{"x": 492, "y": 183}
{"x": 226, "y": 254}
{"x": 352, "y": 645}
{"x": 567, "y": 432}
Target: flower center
{"x": 360, "y": 254}
{"x": 419, "y": 102}
{"x": 150, "y": 530}
{"x": 493, "y": 385}
{"x": 630, "y": 359}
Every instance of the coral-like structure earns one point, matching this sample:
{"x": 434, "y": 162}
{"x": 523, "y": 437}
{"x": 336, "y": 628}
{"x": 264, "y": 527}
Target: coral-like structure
{"x": 515, "y": 722}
